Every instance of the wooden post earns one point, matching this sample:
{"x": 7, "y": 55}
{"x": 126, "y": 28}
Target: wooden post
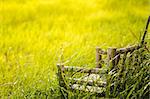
{"x": 60, "y": 75}
{"x": 61, "y": 80}
{"x": 111, "y": 55}
{"x": 98, "y": 58}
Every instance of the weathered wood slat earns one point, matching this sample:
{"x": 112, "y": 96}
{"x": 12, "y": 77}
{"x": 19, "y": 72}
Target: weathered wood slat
{"x": 88, "y": 82}
{"x": 122, "y": 50}
{"x": 84, "y": 70}
{"x": 128, "y": 49}
{"x": 92, "y": 89}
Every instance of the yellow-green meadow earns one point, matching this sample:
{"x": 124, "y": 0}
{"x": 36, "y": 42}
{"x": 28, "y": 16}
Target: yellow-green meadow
{"x": 33, "y": 34}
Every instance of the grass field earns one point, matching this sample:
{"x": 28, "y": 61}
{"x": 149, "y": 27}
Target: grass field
{"x": 33, "y": 33}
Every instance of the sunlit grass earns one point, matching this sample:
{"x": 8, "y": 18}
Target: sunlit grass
{"x": 33, "y": 31}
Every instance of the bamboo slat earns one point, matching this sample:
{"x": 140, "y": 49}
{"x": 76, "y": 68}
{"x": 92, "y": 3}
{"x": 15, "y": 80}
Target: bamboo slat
{"x": 121, "y": 50}
{"x": 88, "y": 82}
{"x": 83, "y": 70}
{"x": 128, "y": 49}
{"x": 92, "y": 89}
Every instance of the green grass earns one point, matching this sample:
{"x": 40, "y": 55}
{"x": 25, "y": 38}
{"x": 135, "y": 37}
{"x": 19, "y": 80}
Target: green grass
{"x": 32, "y": 33}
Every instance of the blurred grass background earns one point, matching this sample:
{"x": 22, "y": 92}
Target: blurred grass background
{"x": 33, "y": 31}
